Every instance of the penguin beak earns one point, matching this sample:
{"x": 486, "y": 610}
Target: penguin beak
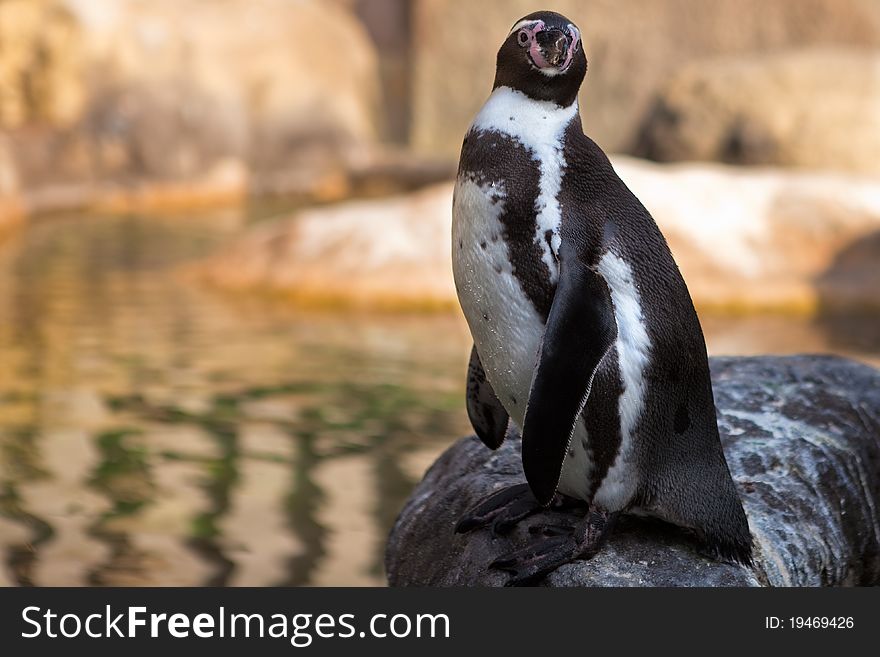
{"x": 554, "y": 46}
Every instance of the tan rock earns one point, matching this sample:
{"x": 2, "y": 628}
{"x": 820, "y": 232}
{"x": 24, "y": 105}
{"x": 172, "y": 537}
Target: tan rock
{"x": 142, "y": 92}
{"x": 744, "y": 240}
{"x": 387, "y": 253}
{"x": 761, "y": 238}
{"x": 817, "y": 109}
{"x": 11, "y": 207}
{"x": 632, "y": 46}
{"x": 41, "y": 60}
{"x": 261, "y": 77}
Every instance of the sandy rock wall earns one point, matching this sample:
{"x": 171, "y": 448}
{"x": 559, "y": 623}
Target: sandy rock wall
{"x": 127, "y": 92}
{"x": 815, "y": 108}
{"x": 745, "y": 239}
{"x": 632, "y": 46}
{"x": 41, "y": 64}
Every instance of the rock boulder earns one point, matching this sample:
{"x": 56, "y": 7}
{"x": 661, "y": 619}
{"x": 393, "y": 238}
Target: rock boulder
{"x": 140, "y": 93}
{"x": 817, "y": 109}
{"x": 751, "y": 239}
{"x": 632, "y": 46}
{"x": 802, "y": 438}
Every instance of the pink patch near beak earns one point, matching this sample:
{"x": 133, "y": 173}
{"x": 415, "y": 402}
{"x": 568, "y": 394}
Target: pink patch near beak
{"x": 537, "y": 56}
{"x": 535, "y": 50}
{"x": 572, "y": 48}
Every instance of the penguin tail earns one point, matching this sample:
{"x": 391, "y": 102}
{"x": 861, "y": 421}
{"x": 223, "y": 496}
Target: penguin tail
{"x": 736, "y": 549}
{"x": 723, "y": 526}
{"x": 705, "y": 500}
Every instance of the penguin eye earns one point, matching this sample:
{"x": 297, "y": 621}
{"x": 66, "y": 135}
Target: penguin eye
{"x": 522, "y": 38}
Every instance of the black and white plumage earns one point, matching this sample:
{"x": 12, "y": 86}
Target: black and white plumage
{"x": 584, "y": 332}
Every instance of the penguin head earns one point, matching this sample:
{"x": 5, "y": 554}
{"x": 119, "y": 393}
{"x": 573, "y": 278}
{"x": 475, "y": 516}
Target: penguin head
{"x": 543, "y": 58}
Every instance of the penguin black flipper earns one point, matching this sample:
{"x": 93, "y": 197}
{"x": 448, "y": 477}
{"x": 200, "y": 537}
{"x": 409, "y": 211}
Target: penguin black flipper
{"x": 579, "y": 331}
{"x": 488, "y": 417}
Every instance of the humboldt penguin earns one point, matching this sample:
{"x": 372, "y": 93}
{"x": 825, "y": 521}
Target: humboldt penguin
{"x": 585, "y": 335}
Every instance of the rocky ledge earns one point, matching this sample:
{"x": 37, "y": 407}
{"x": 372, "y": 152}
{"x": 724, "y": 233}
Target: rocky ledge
{"x": 751, "y": 240}
{"x": 802, "y": 437}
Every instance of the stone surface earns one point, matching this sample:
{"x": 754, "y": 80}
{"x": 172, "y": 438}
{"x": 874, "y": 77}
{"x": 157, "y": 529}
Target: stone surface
{"x": 632, "y": 47}
{"x": 818, "y": 109}
{"x": 802, "y": 438}
{"x": 744, "y": 239}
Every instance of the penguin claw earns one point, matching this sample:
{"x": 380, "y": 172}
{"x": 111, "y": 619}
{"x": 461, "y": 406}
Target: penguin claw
{"x": 562, "y": 543}
{"x": 502, "y": 509}
{"x": 552, "y": 530}
{"x": 516, "y": 511}
{"x": 530, "y": 564}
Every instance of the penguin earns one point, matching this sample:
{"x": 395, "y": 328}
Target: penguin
{"x": 584, "y": 333}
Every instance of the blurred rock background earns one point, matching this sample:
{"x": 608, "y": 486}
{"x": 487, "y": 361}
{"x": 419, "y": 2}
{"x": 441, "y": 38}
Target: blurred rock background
{"x": 121, "y": 104}
{"x": 98, "y": 90}
{"x": 188, "y": 99}
{"x": 635, "y": 51}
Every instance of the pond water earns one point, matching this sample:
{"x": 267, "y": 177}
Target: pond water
{"x": 153, "y": 432}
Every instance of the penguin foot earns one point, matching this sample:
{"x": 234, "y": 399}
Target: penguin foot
{"x": 552, "y": 529}
{"x": 531, "y": 563}
{"x": 561, "y": 545}
{"x": 502, "y": 509}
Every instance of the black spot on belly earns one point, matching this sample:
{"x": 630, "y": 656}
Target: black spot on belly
{"x": 513, "y": 400}
{"x": 497, "y": 269}
{"x": 460, "y": 244}
{"x": 486, "y": 316}
{"x": 682, "y": 419}
{"x": 483, "y": 245}
{"x": 493, "y": 158}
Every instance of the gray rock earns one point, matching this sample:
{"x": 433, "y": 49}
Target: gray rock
{"x": 802, "y": 437}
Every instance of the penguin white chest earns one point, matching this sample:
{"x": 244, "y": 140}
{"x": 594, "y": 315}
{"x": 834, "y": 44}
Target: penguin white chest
{"x": 504, "y": 323}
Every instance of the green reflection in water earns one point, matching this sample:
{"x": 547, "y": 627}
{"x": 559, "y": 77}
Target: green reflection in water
{"x": 102, "y": 340}
{"x": 123, "y": 476}
{"x": 301, "y": 506}
{"x": 20, "y": 453}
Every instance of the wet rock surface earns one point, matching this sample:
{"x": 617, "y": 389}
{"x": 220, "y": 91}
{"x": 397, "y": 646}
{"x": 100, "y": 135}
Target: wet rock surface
{"x": 802, "y": 438}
